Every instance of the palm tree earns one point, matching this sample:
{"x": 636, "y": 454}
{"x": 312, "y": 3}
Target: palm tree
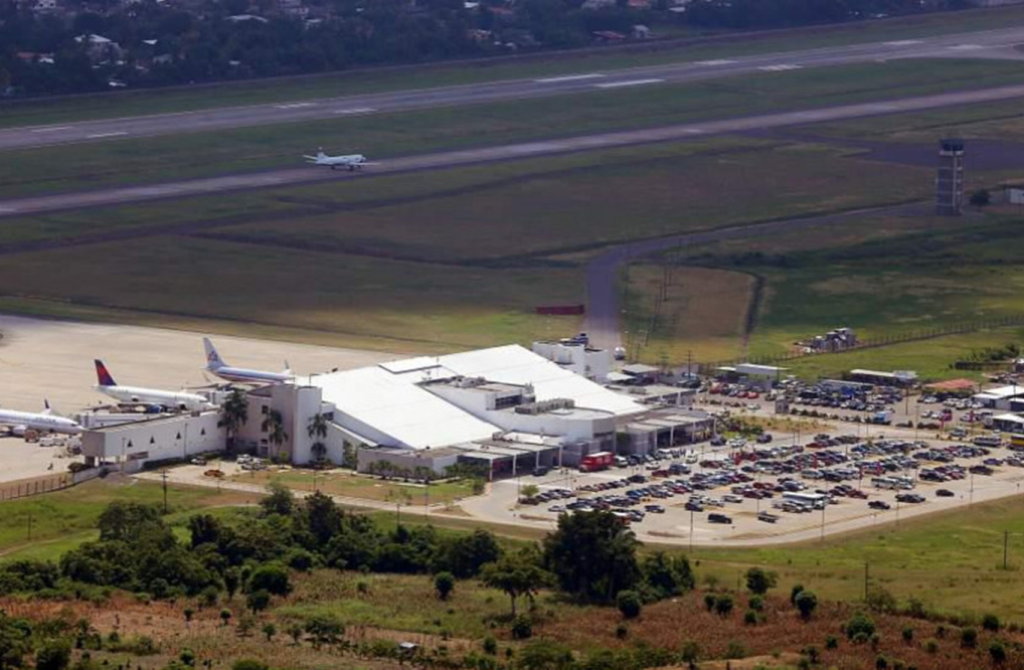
{"x": 317, "y": 431}
{"x": 273, "y": 425}
{"x": 235, "y": 412}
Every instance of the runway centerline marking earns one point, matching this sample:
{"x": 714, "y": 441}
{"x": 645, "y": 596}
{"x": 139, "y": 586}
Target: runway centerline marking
{"x": 296, "y": 105}
{"x": 355, "y": 110}
{"x": 779, "y": 68}
{"x": 713, "y": 63}
{"x": 98, "y": 136}
{"x": 571, "y": 77}
{"x": 631, "y": 82}
{"x": 966, "y": 47}
{"x": 51, "y": 130}
{"x": 902, "y": 43}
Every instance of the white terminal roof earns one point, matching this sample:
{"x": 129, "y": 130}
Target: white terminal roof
{"x": 388, "y": 398}
{"x": 400, "y": 411}
{"x": 1001, "y": 392}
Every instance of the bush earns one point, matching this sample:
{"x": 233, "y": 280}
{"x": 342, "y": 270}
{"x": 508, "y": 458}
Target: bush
{"x": 54, "y": 655}
{"x": 709, "y": 601}
{"x": 813, "y": 654}
{"x": 629, "y": 604}
{"x": 756, "y": 603}
{"x": 759, "y": 581}
{"x": 908, "y": 634}
{"x": 859, "y": 624}
{"x": 831, "y": 642}
{"x": 444, "y": 584}
{"x": 490, "y": 646}
{"x": 522, "y": 628}
{"x": 991, "y": 622}
{"x": 271, "y": 577}
{"x": 735, "y": 650}
{"x": 881, "y": 663}
{"x": 621, "y": 632}
{"x": 969, "y": 638}
{"x": 750, "y": 618}
{"x": 257, "y": 601}
{"x": 997, "y": 651}
{"x": 981, "y": 198}
{"x": 806, "y": 602}
{"x": 248, "y": 664}
{"x": 931, "y": 646}
{"x": 881, "y": 599}
{"x": 723, "y": 605}
{"x": 940, "y": 632}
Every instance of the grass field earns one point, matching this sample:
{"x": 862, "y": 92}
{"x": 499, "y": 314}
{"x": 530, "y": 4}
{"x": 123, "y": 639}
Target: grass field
{"x": 132, "y": 103}
{"x": 343, "y": 483}
{"x": 88, "y": 166}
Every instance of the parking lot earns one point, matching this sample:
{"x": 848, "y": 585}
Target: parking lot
{"x": 771, "y": 493}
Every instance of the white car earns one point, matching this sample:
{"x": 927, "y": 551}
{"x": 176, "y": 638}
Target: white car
{"x": 731, "y": 498}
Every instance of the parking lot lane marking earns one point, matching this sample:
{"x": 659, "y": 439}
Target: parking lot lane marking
{"x": 631, "y": 82}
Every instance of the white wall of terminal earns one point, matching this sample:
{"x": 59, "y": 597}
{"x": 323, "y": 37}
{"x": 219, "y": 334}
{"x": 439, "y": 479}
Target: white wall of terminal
{"x": 158, "y": 439}
{"x": 297, "y": 405}
{"x": 584, "y": 361}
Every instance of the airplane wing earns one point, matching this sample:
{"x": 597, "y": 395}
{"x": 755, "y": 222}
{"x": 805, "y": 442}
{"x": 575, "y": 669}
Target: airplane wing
{"x": 310, "y": 158}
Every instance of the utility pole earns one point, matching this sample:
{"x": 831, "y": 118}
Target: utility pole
{"x": 163, "y": 476}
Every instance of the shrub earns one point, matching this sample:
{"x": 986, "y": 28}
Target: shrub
{"x": 759, "y": 581}
{"x": 794, "y": 592}
{"x": 272, "y": 577}
{"x": 969, "y": 638}
{"x": 54, "y": 655}
{"x": 522, "y": 628}
{"x": 750, "y": 618}
{"x": 916, "y": 609}
{"x": 490, "y": 646}
{"x": 690, "y": 652}
{"x": 709, "y": 601}
{"x": 981, "y": 198}
{"x": 444, "y": 584}
{"x": 991, "y": 622}
{"x": 723, "y": 605}
{"x": 621, "y": 632}
{"x": 874, "y": 642}
{"x": 248, "y": 664}
{"x": 940, "y": 632}
{"x": 629, "y": 604}
{"x": 257, "y": 601}
{"x": 735, "y": 650}
{"x": 806, "y": 602}
{"x": 813, "y": 654}
{"x": 756, "y": 603}
{"x": 908, "y": 634}
{"x": 269, "y": 630}
{"x": 187, "y": 657}
{"x": 225, "y": 615}
{"x": 881, "y": 599}
{"x": 881, "y": 663}
{"x": 997, "y": 651}
{"x": 931, "y": 646}
{"x": 859, "y": 624}
{"x": 831, "y": 642}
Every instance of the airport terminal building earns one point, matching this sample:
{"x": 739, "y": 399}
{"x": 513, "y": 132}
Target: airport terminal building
{"x": 505, "y": 408}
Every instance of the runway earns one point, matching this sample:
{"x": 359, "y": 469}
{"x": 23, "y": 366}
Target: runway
{"x": 522, "y": 151}
{"x": 984, "y": 44}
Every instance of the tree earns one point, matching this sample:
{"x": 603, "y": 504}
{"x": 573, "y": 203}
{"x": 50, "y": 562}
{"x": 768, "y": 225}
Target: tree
{"x": 323, "y": 517}
{"x": 273, "y": 426}
{"x": 225, "y": 616}
{"x": 324, "y": 629}
{"x": 516, "y": 574}
{"x": 295, "y": 633}
{"x": 234, "y": 415}
{"x": 545, "y": 655}
{"x": 203, "y": 529}
{"x": 444, "y": 584}
{"x": 981, "y": 198}
{"x": 759, "y": 581}
{"x": 859, "y": 624}
{"x": 272, "y": 578}
{"x": 465, "y": 555}
{"x": 629, "y": 604}
{"x": 593, "y": 556}
{"x": 723, "y": 605}
{"x": 806, "y": 602}
{"x": 317, "y": 431}
{"x": 269, "y": 630}
{"x": 53, "y": 655}
{"x": 257, "y": 601}
{"x": 529, "y": 491}
{"x": 249, "y": 664}
{"x": 279, "y": 500}
{"x": 667, "y": 575}
{"x": 231, "y": 582}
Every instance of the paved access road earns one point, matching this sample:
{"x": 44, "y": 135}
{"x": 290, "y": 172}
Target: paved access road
{"x": 523, "y": 151}
{"x": 990, "y": 43}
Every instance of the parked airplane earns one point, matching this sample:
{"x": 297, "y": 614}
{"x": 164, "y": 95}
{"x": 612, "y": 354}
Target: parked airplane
{"x": 44, "y": 422}
{"x": 216, "y": 365}
{"x": 151, "y": 397}
{"x": 352, "y": 161}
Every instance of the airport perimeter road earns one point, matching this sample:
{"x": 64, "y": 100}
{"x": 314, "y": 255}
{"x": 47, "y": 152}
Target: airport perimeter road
{"x": 991, "y": 44}
{"x": 310, "y": 174}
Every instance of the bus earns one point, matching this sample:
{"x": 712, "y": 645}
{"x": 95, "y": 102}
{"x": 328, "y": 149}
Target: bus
{"x": 1017, "y": 442}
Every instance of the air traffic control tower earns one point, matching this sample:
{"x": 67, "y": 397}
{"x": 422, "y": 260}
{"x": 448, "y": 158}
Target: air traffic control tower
{"x": 949, "y": 179}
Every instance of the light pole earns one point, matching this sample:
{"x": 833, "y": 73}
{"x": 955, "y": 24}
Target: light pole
{"x": 691, "y": 531}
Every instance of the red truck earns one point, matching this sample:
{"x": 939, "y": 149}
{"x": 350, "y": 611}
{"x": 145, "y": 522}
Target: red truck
{"x": 602, "y": 460}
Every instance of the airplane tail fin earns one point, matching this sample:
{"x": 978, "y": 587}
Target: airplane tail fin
{"x": 320, "y": 152}
{"x": 46, "y": 405}
{"x": 104, "y": 377}
{"x": 213, "y": 359}
{"x": 287, "y": 368}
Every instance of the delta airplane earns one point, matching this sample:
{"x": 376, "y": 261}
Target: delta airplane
{"x": 216, "y": 365}
{"x": 151, "y": 397}
{"x": 45, "y": 421}
{"x": 352, "y": 161}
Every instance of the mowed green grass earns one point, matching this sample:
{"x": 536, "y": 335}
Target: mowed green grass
{"x": 64, "y": 519}
{"x": 226, "y": 94}
{"x": 428, "y": 306}
{"x": 148, "y": 160}
{"x": 344, "y": 483}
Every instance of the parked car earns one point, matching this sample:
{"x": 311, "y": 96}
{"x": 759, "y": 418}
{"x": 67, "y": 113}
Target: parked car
{"x": 767, "y": 517}
{"x": 541, "y": 471}
{"x": 945, "y": 493}
{"x": 879, "y": 504}
{"x": 715, "y": 517}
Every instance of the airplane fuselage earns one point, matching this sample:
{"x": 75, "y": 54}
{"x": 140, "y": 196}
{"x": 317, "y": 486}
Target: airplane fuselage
{"x": 245, "y": 375}
{"x": 143, "y": 396}
{"x": 40, "y": 422}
